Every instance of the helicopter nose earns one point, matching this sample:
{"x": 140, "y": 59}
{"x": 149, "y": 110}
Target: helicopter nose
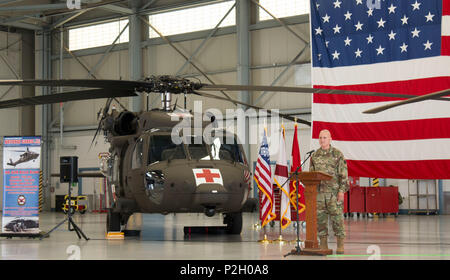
{"x": 210, "y": 194}
{"x": 210, "y": 189}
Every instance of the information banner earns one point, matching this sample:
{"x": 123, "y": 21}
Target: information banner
{"x": 21, "y": 167}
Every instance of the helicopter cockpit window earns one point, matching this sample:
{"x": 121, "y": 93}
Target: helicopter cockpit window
{"x": 138, "y": 154}
{"x": 222, "y": 150}
{"x": 162, "y": 148}
{"x": 197, "y": 148}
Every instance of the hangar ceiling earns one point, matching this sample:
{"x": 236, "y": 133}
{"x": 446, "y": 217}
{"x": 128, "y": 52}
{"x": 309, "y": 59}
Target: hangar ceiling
{"x": 39, "y": 14}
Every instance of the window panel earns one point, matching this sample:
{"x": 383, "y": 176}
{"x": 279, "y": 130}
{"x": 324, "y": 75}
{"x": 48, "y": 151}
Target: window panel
{"x": 98, "y": 35}
{"x": 162, "y": 148}
{"x": 283, "y": 8}
{"x": 138, "y": 154}
{"x": 192, "y": 19}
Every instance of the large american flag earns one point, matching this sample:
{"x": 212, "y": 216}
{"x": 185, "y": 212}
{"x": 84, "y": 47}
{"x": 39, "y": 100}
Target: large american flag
{"x": 394, "y": 46}
{"x": 263, "y": 178}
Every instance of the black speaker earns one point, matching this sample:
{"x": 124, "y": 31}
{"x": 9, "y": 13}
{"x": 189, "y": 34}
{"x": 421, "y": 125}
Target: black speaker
{"x": 68, "y": 169}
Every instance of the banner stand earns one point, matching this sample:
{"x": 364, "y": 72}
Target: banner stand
{"x": 23, "y": 235}
{"x": 21, "y": 174}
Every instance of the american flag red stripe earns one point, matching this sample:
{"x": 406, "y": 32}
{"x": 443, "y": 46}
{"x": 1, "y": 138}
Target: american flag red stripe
{"x": 413, "y": 87}
{"x": 401, "y": 169}
{"x": 446, "y": 7}
{"x": 445, "y": 43}
{"x": 386, "y": 131}
{"x": 266, "y": 180}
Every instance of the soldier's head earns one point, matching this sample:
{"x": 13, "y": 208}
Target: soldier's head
{"x": 325, "y": 139}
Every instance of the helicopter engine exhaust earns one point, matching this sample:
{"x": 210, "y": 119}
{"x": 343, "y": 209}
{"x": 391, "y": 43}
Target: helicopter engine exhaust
{"x": 125, "y": 123}
{"x": 210, "y": 211}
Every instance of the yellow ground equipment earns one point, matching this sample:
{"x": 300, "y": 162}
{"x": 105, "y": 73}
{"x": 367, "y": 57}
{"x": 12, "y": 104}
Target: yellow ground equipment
{"x": 78, "y": 203}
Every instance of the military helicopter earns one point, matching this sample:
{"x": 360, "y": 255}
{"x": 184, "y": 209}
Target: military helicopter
{"x": 148, "y": 172}
{"x": 25, "y": 157}
{"x": 22, "y": 225}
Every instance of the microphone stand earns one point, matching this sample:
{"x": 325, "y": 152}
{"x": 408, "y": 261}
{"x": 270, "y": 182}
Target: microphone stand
{"x": 297, "y": 249}
{"x": 69, "y": 219}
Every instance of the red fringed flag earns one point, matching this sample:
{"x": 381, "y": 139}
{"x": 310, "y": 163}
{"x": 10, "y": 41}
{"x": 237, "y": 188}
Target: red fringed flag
{"x": 296, "y": 162}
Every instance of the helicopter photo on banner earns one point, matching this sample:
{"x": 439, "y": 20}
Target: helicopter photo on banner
{"x": 21, "y": 167}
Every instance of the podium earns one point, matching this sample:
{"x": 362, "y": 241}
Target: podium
{"x": 311, "y": 180}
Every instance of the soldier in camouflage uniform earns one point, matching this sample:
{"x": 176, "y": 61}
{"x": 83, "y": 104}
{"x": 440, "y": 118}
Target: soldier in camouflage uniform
{"x": 330, "y": 194}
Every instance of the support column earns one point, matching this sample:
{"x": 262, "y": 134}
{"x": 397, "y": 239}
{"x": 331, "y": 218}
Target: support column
{"x": 27, "y": 125}
{"x": 243, "y": 64}
{"x": 135, "y": 53}
{"x": 43, "y": 60}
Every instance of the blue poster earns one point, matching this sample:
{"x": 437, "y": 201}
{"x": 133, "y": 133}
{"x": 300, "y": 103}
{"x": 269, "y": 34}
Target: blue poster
{"x": 21, "y": 167}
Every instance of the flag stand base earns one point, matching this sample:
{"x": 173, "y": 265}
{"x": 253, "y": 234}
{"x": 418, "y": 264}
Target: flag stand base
{"x": 265, "y": 240}
{"x": 280, "y": 240}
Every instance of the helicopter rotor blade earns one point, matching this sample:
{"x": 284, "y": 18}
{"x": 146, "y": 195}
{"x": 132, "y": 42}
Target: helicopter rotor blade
{"x": 66, "y": 96}
{"x": 156, "y": 85}
{"x": 433, "y": 95}
{"x": 288, "y": 117}
{"x": 207, "y": 87}
{"x": 87, "y": 83}
{"x": 104, "y": 113}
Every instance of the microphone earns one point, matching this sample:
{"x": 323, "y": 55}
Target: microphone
{"x": 310, "y": 152}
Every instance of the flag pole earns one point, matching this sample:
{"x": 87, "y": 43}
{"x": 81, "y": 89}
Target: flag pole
{"x": 297, "y": 250}
{"x": 265, "y": 240}
{"x": 297, "y": 208}
{"x": 280, "y": 237}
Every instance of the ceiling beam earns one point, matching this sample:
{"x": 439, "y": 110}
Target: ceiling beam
{"x": 117, "y": 9}
{"x": 68, "y": 18}
{"x": 43, "y": 7}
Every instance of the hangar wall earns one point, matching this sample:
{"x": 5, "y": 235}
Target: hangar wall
{"x": 11, "y": 61}
{"x": 10, "y": 68}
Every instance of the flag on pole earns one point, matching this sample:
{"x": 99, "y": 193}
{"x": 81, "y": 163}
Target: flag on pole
{"x": 398, "y": 47}
{"x": 296, "y": 162}
{"x": 263, "y": 178}
{"x": 280, "y": 179}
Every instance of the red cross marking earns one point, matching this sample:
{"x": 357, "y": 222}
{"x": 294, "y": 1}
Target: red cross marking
{"x": 209, "y": 177}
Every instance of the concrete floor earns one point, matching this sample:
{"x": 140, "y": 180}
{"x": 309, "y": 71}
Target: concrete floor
{"x": 162, "y": 237}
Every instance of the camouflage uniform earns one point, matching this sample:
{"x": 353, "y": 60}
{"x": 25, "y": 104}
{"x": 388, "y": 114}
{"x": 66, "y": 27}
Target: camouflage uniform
{"x": 330, "y": 161}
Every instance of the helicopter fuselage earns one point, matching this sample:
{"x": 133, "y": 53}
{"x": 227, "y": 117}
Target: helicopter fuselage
{"x": 152, "y": 174}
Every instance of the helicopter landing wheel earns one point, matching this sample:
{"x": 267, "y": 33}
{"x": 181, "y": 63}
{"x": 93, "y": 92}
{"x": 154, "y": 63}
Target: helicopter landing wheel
{"x": 233, "y": 222}
{"x": 112, "y": 221}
